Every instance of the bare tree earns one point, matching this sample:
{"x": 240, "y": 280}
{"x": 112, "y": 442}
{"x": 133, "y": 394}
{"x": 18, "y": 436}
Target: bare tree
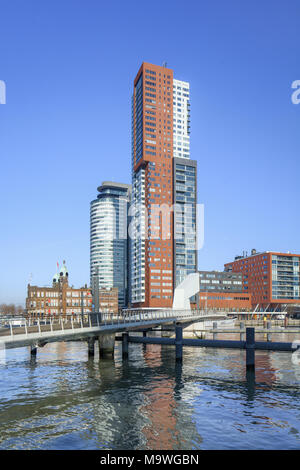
{"x": 11, "y": 309}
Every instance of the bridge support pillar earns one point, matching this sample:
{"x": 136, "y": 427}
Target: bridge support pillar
{"x": 91, "y": 347}
{"x": 166, "y": 333}
{"x": 178, "y": 343}
{"x": 215, "y": 326}
{"x": 33, "y": 350}
{"x": 242, "y": 335}
{"x": 125, "y": 345}
{"x": 269, "y": 324}
{"x": 106, "y": 345}
{"x": 250, "y": 349}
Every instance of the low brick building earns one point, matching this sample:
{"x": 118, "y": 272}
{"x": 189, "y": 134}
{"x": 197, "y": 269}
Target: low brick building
{"x": 225, "y": 301}
{"x": 272, "y": 278}
{"x": 108, "y": 300}
{"x": 219, "y": 290}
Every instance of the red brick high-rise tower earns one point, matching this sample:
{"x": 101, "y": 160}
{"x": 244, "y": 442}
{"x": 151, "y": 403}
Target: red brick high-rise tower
{"x": 152, "y": 250}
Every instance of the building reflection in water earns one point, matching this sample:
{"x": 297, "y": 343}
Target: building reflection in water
{"x": 145, "y": 402}
{"x": 161, "y": 408}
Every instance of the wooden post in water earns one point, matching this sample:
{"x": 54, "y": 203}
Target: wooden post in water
{"x": 178, "y": 342}
{"x": 250, "y": 348}
{"x": 125, "y": 345}
{"x": 144, "y": 334}
{"x": 33, "y": 350}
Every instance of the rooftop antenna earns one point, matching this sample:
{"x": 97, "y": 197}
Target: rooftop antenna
{"x": 164, "y": 64}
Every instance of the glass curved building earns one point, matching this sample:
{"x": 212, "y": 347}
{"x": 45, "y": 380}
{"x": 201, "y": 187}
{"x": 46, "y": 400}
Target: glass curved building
{"x": 108, "y": 238}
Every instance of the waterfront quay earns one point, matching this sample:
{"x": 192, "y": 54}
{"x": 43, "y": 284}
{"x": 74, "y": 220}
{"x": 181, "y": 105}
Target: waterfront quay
{"x": 36, "y": 333}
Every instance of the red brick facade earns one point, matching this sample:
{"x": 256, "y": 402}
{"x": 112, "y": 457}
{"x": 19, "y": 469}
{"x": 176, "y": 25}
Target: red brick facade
{"x": 157, "y": 148}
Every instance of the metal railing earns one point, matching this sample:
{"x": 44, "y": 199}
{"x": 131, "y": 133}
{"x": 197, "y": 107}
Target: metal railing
{"x": 28, "y": 325}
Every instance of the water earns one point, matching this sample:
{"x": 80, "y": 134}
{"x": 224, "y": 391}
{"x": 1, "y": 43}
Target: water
{"x": 63, "y": 400}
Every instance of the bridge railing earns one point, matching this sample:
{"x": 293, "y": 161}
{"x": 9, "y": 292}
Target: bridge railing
{"x": 88, "y": 320}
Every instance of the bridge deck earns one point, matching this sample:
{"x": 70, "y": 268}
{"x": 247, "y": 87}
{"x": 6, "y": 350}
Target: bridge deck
{"x": 41, "y": 334}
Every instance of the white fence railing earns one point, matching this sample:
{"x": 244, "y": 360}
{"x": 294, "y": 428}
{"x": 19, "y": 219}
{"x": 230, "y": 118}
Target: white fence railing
{"x": 75, "y": 322}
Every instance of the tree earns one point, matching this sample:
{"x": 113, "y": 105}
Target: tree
{"x": 11, "y": 309}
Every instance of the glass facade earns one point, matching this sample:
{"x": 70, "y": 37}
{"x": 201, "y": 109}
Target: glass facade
{"x": 185, "y": 233}
{"x": 285, "y": 277}
{"x": 181, "y": 119}
{"x": 137, "y": 237}
{"x": 218, "y": 281}
{"x": 108, "y": 238}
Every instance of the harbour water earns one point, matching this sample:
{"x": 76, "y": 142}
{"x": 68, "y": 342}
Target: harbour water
{"x": 63, "y": 400}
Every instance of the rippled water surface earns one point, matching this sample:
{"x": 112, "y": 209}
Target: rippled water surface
{"x": 63, "y": 400}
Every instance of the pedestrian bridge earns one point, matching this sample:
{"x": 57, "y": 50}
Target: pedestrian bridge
{"x": 38, "y": 332}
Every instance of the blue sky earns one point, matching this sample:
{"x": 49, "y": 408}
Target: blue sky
{"x": 69, "y": 66}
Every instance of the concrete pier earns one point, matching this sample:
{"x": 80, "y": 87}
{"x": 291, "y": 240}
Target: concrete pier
{"x": 242, "y": 327}
{"x": 215, "y": 326}
{"x": 250, "y": 348}
{"x": 125, "y": 345}
{"x": 91, "y": 347}
{"x": 106, "y": 345}
{"x": 178, "y": 343}
{"x": 269, "y": 325}
{"x": 33, "y": 350}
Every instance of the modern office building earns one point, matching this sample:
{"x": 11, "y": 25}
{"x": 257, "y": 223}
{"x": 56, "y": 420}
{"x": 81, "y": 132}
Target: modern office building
{"x": 222, "y": 291}
{"x": 160, "y": 132}
{"x": 108, "y": 238}
{"x": 220, "y": 281}
{"x": 225, "y": 301}
{"x": 271, "y": 278}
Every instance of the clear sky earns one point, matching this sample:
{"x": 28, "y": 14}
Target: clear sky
{"x": 69, "y": 66}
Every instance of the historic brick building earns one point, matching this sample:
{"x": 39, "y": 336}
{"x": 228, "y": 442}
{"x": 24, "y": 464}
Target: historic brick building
{"x": 62, "y": 299}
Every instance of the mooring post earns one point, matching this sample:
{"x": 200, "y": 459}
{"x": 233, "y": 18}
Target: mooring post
{"x": 250, "y": 348}
{"x": 33, "y": 350}
{"x": 268, "y": 328}
{"x": 125, "y": 345}
{"x": 91, "y": 347}
{"x": 215, "y": 326}
{"x": 178, "y": 342}
{"x": 242, "y": 334}
{"x": 144, "y": 334}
